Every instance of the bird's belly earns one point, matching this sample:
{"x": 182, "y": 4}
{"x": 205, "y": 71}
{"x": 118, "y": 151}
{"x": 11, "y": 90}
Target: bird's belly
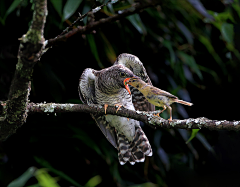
{"x": 158, "y": 100}
{"x": 124, "y": 125}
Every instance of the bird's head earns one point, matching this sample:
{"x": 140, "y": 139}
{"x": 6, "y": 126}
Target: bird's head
{"x": 135, "y": 82}
{"x": 111, "y": 79}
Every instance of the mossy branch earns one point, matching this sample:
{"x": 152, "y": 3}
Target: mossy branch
{"x": 148, "y": 118}
{"x": 135, "y": 8}
{"x": 30, "y": 49}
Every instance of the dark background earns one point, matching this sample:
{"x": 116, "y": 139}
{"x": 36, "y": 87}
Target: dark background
{"x": 188, "y": 48}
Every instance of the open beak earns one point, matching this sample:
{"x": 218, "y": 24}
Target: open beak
{"x": 126, "y": 85}
{"x": 125, "y": 82}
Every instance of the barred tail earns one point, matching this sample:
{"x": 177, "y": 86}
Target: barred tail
{"x": 134, "y": 151}
{"x": 184, "y": 102}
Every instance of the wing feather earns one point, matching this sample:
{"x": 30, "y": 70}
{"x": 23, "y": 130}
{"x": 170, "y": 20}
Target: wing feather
{"x": 86, "y": 91}
{"x": 135, "y": 65}
{"x": 157, "y": 91}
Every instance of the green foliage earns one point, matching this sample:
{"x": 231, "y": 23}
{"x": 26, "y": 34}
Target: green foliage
{"x": 187, "y": 49}
{"x": 194, "y": 133}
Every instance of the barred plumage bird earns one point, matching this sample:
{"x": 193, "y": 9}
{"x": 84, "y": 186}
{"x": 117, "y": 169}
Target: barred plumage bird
{"x": 107, "y": 87}
{"x": 135, "y": 65}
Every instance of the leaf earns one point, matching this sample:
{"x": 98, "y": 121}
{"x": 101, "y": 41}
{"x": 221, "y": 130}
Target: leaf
{"x": 94, "y": 181}
{"x": 93, "y": 48}
{"x": 200, "y": 8}
{"x": 164, "y": 158}
{"x": 70, "y": 8}
{"x": 185, "y": 32}
{"x": 108, "y": 48}
{"x": 22, "y": 180}
{"x": 44, "y": 179}
{"x": 190, "y": 61}
{"x": 137, "y": 23}
{"x": 184, "y": 134}
{"x": 205, "y": 143}
{"x": 227, "y": 32}
{"x": 56, "y": 87}
{"x": 45, "y": 164}
{"x": 83, "y": 136}
{"x": 12, "y": 7}
{"x": 57, "y": 4}
{"x": 194, "y": 133}
{"x": 205, "y": 41}
{"x": 168, "y": 45}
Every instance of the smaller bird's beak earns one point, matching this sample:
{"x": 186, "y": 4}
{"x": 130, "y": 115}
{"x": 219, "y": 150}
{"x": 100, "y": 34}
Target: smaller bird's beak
{"x": 126, "y": 85}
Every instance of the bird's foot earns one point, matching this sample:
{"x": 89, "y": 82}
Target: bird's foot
{"x": 170, "y": 119}
{"x": 105, "y": 107}
{"x": 119, "y": 106}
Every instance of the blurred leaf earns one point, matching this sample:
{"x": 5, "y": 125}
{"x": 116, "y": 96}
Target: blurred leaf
{"x": 200, "y": 8}
{"x": 194, "y": 133}
{"x": 93, "y": 48}
{"x": 137, "y": 23}
{"x": 227, "y": 32}
{"x": 58, "y": 6}
{"x": 44, "y": 179}
{"x": 22, "y": 180}
{"x": 164, "y": 158}
{"x": 108, "y": 48}
{"x": 168, "y": 45}
{"x": 188, "y": 73}
{"x": 185, "y": 32}
{"x": 147, "y": 184}
{"x": 205, "y": 41}
{"x": 56, "y": 87}
{"x": 12, "y": 7}
{"x": 94, "y": 181}
{"x": 83, "y": 136}
{"x": 221, "y": 17}
{"x": 70, "y": 7}
{"x": 205, "y": 143}
{"x": 184, "y": 134}
{"x": 45, "y": 164}
{"x": 190, "y": 61}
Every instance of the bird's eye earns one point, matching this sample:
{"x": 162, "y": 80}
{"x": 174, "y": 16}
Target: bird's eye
{"x": 122, "y": 74}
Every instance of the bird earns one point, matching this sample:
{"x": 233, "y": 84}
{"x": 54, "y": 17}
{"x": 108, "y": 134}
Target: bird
{"x": 155, "y": 95}
{"x": 136, "y": 66}
{"x": 106, "y": 87}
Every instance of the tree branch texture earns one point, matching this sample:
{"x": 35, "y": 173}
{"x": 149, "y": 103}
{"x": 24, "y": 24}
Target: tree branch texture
{"x": 137, "y": 7}
{"x": 30, "y": 50}
{"x": 147, "y": 117}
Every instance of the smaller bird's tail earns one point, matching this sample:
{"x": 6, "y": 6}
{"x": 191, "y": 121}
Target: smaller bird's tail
{"x": 184, "y": 102}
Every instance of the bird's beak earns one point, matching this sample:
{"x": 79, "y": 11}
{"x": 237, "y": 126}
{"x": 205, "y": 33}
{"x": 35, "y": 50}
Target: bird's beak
{"x": 125, "y": 82}
{"x": 126, "y": 85}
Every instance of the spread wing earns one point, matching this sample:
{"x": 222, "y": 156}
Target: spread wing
{"x": 135, "y": 65}
{"x": 86, "y": 91}
{"x": 157, "y": 91}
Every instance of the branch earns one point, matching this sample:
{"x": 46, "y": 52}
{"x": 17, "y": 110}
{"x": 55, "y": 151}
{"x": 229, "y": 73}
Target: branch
{"x": 30, "y": 50}
{"x": 137, "y": 7}
{"x": 146, "y": 117}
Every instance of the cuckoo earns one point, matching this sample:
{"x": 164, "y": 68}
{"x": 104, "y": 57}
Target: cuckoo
{"x": 106, "y": 87}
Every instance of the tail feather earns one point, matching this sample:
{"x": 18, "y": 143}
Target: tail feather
{"x": 184, "y": 102}
{"x": 134, "y": 151}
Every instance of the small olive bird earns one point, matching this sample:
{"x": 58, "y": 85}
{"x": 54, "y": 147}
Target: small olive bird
{"x": 154, "y": 95}
{"x": 107, "y": 87}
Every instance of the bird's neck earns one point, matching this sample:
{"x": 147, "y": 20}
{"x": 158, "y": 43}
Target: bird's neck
{"x": 141, "y": 85}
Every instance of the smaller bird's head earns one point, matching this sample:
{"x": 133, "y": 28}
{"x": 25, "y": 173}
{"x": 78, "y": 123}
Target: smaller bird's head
{"x": 135, "y": 82}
